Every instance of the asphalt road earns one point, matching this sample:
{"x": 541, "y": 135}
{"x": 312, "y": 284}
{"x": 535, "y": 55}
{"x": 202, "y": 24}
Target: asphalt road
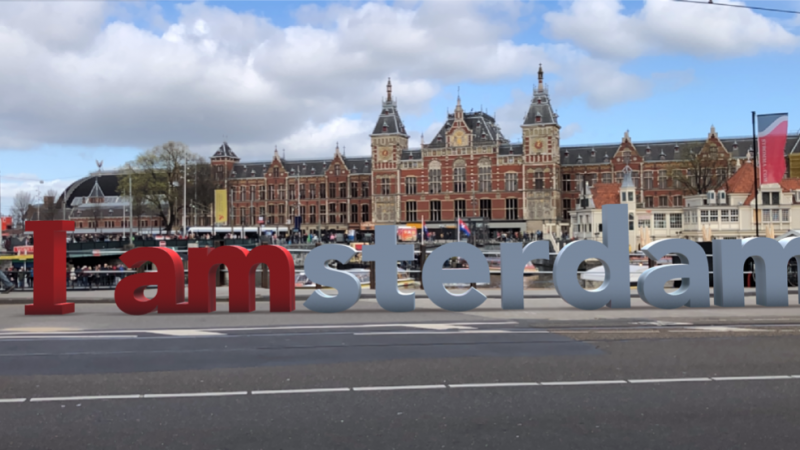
{"x": 422, "y": 385}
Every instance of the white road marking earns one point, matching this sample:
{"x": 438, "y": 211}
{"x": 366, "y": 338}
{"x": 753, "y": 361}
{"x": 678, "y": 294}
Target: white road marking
{"x": 582, "y": 383}
{"x": 195, "y": 394}
{"x": 301, "y": 391}
{"x": 773, "y": 377}
{"x": 85, "y": 397}
{"x": 186, "y": 333}
{"x": 401, "y": 388}
{"x": 719, "y": 329}
{"x": 389, "y": 333}
{"x": 23, "y": 336}
{"x": 668, "y": 380}
{"x": 491, "y": 385}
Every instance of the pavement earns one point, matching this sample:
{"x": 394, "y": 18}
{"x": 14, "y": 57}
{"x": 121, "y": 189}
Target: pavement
{"x": 546, "y": 377}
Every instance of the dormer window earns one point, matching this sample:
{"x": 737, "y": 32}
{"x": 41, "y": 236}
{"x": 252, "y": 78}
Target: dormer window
{"x": 539, "y": 101}
{"x": 538, "y": 117}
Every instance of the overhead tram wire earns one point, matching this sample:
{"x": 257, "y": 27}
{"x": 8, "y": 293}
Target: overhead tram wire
{"x": 710, "y": 2}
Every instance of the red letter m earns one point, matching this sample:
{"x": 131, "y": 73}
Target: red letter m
{"x": 242, "y": 265}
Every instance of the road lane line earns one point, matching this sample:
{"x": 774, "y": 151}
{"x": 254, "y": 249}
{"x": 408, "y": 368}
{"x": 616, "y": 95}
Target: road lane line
{"x": 394, "y": 333}
{"x": 491, "y": 385}
{"x": 668, "y": 380}
{"x": 399, "y": 388}
{"x": 187, "y": 333}
{"x": 12, "y": 400}
{"x": 582, "y": 383}
{"x": 301, "y": 391}
{"x": 66, "y": 337}
{"x": 771, "y": 377}
{"x": 195, "y": 394}
{"x": 85, "y": 397}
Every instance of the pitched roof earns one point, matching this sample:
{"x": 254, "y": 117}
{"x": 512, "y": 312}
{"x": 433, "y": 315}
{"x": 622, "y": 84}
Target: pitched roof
{"x": 225, "y": 151}
{"x": 484, "y": 129}
{"x": 742, "y": 181}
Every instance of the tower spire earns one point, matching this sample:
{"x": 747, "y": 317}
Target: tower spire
{"x": 389, "y": 90}
{"x": 541, "y": 78}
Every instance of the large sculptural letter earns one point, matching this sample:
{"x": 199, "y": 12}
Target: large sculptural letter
{"x": 50, "y": 288}
{"x": 693, "y": 274}
{"x": 513, "y": 259}
{"x": 771, "y": 258}
{"x": 168, "y": 278}
{"x": 386, "y": 253}
{"x": 613, "y": 252}
{"x": 348, "y": 288}
{"x": 242, "y": 265}
{"x": 434, "y": 276}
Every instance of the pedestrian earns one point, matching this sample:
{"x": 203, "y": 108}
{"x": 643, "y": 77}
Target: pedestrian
{"x": 8, "y": 286}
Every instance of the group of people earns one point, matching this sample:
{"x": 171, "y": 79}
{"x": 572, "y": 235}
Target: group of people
{"x": 105, "y": 275}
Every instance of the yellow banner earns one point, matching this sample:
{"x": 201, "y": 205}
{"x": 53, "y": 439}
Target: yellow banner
{"x": 221, "y": 207}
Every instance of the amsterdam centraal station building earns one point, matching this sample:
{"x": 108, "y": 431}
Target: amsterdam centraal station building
{"x": 470, "y": 170}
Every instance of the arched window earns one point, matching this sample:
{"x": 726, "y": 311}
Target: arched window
{"x": 435, "y": 177}
{"x": 630, "y": 221}
{"x": 460, "y": 176}
{"x": 485, "y": 175}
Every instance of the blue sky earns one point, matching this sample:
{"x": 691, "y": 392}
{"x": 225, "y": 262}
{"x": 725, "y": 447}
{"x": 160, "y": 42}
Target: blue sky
{"x": 86, "y": 81}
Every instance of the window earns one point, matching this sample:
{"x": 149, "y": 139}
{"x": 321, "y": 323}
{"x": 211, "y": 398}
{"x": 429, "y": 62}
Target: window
{"x": 322, "y": 190}
{"x": 770, "y": 198}
{"x": 606, "y": 177}
{"x": 486, "y": 208}
{"x": 648, "y": 201}
{"x": 281, "y": 192}
{"x": 411, "y": 185}
{"x": 303, "y": 213}
{"x": 291, "y": 192}
{"x": 354, "y": 190}
{"x": 511, "y": 209}
{"x": 785, "y": 215}
{"x": 662, "y": 179}
{"x": 713, "y": 215}
{"x": 636, "y": 181}
{"x": 662, "y": 201}
{"x": 322, "y": 216}
{"x": 484, "y": 175}
{"x": 336, "y": 170}
{"x": 242, "y": 193}
{"x": 342, "y": 190}
{"x": 776, "y": 215}
{"x": 511, "y": 182}
{"x": 312, "y": 190}
{"x": 644, "y": 223}
{"x": 648, "y": 180}
{"x": 242, "y": 212}
{"x": 302, "y": 192}
{"x": 411, "y": 211}
{"x": 271, "y": 192}
{"x": 460, "y": 207}
{"x": 675, "y": 220}
{"x": 343, "y": 212}
{"x": 459, "y": 176}
{"x": 365, "y": 190}
{"x": 385, "y": 186}
{"x": 660, "y": 220}
{"x": 435, "y": 177}
{"x": 566, "y": 206}
{"x": 312, "y": 212}
{"x": 538, "y": 179}
{"x": 332, "y": 190}
{"x": 579, "y": 182}
{"x": 365, "y": 213}
{"x": 734, "y": 215}
{"x": 566, "y": 182}
{"x": 261, "y": 192}
{"x": 436, "y": 211}
{"x": 333, "y": 207}
{"x": 677, "y": 200}
{"x": 723, "y": 216}
{"x": 630, "y": 222}
{"x": 353, "y": 213}
{"x": 252, "y": 192}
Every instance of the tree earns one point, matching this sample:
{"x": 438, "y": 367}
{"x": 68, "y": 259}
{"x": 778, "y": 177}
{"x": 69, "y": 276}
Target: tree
{"x": 23, "y": 200}
{"x": 157, "y": 181}
{"x": 700, "y": 169}
{"x": 50, "y": 209}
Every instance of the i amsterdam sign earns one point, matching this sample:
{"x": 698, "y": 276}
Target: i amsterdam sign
{"x": 770, "y": 256}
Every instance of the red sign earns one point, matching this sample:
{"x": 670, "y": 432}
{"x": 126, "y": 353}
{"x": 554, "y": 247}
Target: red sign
{"x": 261, "y": 220}
{"x": 95, "y": 252}
{"x": 162, "y": 243}
{"x": 5, "y": 223}
{"x": 24, "y": 250}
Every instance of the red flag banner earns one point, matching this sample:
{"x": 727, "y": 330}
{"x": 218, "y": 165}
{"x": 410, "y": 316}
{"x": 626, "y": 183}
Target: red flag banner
{"x": 772, "y": 129}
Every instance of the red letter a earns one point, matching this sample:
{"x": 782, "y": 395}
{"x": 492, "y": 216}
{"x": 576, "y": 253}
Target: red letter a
{"x": 129, "y": 294}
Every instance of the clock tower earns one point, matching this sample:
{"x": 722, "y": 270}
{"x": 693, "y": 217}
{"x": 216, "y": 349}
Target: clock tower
{"x": 541, "y": 166}
{"x": 389, "y": 139}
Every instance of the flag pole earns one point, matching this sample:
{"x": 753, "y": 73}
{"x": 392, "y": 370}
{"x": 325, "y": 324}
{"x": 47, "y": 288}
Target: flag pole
{"x": 755, "y": 169}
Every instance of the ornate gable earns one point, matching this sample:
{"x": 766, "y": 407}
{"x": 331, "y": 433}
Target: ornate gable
{"x": 626, "y": 150}
{"x": 459, "y": 134}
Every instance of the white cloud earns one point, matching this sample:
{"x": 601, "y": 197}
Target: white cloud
{"x": 215, "y": 72}
{"x": 660, "y": 26}
{"x": 567, "y": 131}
